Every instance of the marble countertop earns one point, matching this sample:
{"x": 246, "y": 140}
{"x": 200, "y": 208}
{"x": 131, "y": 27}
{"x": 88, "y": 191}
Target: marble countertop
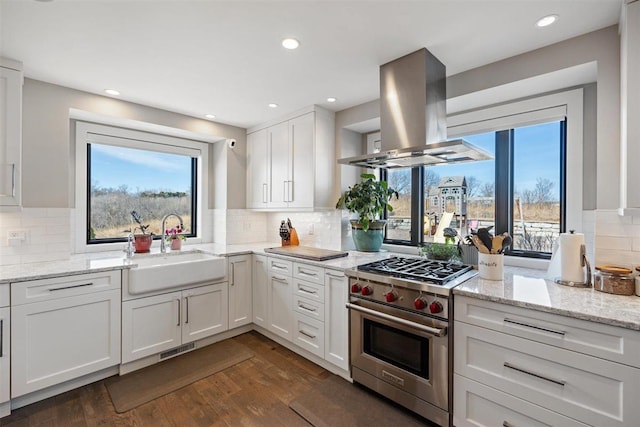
{"x": 528, "y": 288}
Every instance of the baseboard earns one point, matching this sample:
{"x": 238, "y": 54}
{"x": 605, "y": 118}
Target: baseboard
{"x": 5, "y": 409}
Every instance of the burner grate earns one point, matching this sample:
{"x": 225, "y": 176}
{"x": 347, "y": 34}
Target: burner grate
{"x": 439, "y": 272}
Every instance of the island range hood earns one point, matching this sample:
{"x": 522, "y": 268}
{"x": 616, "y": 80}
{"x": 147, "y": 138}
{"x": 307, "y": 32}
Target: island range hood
{"x": 413, "y": 113}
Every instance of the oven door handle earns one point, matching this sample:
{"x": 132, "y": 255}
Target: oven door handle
{"x": 424, "y": 328}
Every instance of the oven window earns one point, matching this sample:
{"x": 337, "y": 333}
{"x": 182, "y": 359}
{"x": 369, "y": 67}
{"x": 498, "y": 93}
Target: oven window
{"x": 399, "y": 348}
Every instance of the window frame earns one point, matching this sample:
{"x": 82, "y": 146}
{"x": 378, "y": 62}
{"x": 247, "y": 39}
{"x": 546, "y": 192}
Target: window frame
{"x": 87, "y": 133}
{"x": 564, "y": 105}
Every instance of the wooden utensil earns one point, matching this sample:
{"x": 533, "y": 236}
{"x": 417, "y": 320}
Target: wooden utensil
{"x": 485, "y": 237}
{"x": 478, "y": 243}
{"x": 496, "y": 244}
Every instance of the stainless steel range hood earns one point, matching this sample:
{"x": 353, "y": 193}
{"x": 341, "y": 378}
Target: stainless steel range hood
{"x": 413, "y": 117}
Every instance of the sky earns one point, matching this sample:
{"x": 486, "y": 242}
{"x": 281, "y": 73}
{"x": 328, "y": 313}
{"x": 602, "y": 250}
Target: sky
{"x": 139, "y": 170}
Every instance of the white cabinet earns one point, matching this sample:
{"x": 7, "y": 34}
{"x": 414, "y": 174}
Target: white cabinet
{"x": 336, "y": 318}
{"x": 260, "y": 290}
{"x": 558, "y": 366}
{"x": 280, "y": 315}
{"x": 158, "y": 323}
{"x": 630, "y": 107}
{"x": 5, "y": 350}
{"x": 10, "y": 132}
{"x": 240, "y": 292}
{"x": 288, "y": 162}
{"x": 63, "y": 328}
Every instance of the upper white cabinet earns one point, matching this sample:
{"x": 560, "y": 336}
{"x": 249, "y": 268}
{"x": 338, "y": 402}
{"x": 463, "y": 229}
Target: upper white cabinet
{"x": 10, "y": 132}
{"x": 290, "y": 163}
{"x": 630, "y": 107}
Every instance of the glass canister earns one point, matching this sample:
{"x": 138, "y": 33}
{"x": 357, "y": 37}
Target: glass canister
{"x": 614, "y": 280}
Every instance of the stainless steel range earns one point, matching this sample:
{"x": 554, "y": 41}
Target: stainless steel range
{"x": 399, "y": 312}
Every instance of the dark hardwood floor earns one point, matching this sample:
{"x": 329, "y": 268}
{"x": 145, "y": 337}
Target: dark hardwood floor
{"x": 255, "y": 392}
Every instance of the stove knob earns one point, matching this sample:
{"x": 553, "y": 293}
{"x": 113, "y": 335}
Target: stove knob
{"x": 390, "y": 296}
{"x": 355, "y": 288}
{"x": 367, "y": 291}
{"x": 435, "y": 307}
{"x": 419, "y": 303}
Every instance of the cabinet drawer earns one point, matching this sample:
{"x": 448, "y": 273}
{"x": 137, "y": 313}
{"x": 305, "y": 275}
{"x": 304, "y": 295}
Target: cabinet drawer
{"x": 62, "y": 287}
{"x": 308, "y": 290}
{"x": 308, "y": 333}
{"x": 588, "y": 389}
{"x": 277, "y": 265}
{"x": 595, "y": 339}
{"x": 478, "y": 405}
{"x": 309, "y": 273}
{"x": 311, "y": 308}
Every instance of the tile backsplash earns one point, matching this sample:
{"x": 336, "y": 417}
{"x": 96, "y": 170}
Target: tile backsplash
{"x": 617, "y": 238}
{"x": 47, "y": 232}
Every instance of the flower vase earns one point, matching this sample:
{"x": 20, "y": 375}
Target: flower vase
{"x": 176, "y": 244}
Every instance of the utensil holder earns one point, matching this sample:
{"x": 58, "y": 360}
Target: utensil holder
{"x": 491, "y": 266}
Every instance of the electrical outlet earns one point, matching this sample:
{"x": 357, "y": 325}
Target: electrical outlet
{"x": 16, "y": 237}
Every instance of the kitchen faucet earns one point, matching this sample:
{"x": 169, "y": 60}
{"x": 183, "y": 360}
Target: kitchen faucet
{"x": 163, "y": 247}
{"x": 128, "y": 249}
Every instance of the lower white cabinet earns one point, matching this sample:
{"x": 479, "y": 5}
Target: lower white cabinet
{"x": 280, "y": 313}
{"x": 308, "y": 333}
{"x": 240, "y": 291}
{"x": 336, "y": 318}
{"x": 158, "y": 323}
{"x": 63, "y": 328}
{"x": 260, "y": 285}
{"x": 5, "y": 349}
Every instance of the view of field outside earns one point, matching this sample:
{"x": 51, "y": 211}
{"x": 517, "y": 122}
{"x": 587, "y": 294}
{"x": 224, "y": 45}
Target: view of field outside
{"x": 536, "y": 211}
{"x": 125, "y": 179}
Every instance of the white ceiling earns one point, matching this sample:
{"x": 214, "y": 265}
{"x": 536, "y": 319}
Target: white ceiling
{"x": 225, "y": 57}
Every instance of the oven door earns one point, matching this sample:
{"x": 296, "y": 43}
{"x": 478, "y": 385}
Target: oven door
{"x": 407, "y": 351}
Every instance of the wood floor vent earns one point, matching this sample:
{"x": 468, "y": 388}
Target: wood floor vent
{"x": 177, "y": 350}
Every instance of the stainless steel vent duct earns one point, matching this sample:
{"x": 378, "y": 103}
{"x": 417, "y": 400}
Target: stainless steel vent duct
{"x": 413, "y": 117}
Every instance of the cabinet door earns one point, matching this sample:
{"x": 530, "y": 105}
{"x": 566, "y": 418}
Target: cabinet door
{"x": 336, "y": 319}
{"x": 205, "y": 312}
{"x": 150, "y": 325}
{"x": 260, "y": 299}
{"x": 59, "y": 340}
{"x": 10, "y": 136}
{"x": 280, "y": 312}
{"x": 257, "y": 157}
{"x": 279, "y": 165}
{"x": 240, "y": 295}
{"x": 5, "y": 351}
{"x": 302, "y": 154}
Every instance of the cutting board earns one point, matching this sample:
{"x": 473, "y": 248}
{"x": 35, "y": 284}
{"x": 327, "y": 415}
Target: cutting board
{"x": 306, "y": 252}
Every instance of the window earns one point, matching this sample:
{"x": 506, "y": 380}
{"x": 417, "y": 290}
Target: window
{"x": 537, "y": 155}
{"x": 154, "y": 184}
{"x": 121, "y": 170}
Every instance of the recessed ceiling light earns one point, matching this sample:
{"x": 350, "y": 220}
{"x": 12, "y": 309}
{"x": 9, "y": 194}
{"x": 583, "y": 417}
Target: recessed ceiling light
{"x": 290, "y": 43}
{"x": 112, "y": 92}
{"x": 272, "y": 105}
{"x": 545, "y": 21}
{"x": 210, "y": 116}
{"x": 332, "y": 99}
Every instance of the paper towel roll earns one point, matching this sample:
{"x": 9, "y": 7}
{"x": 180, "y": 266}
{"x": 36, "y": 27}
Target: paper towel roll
{"x": 571, "y": 269}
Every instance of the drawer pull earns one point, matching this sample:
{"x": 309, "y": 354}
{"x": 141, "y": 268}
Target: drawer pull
{"x": 304, "y": 307}
{"x": 335, "y": 276}
{"x": 70, "y": 287}
{"x": 279, "y": 279}
{"x": 533, "y": 374}
{"x": 179, "y": 309}
{"x": 307, "y": 334}
{"x": 540, "y": 328}
{"x": 279, "y": 267}
{"x": 307, "y": 291}
{"x": 306, "y": 273}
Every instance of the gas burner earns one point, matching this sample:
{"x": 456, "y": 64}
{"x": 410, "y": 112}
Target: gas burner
{"x": 437, "y": 272}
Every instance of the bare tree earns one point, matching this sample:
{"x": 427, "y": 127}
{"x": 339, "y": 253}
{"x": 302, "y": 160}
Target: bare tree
{"x": 472, "y": 186}
{"x": 542, "y": 192}
{"x": 400, "y": 180}
{"x": 487, "y": 189}
{"x": 430, "y": 180}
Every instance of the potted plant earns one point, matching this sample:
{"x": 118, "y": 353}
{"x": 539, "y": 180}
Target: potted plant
{"x": 441, "y": 251}
{"x": 141, "y": 242}
{"x": 174, "y": 237}
{"x": 369, "y": 199}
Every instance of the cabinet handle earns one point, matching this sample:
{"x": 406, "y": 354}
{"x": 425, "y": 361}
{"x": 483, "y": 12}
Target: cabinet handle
{"x": 540, "y": 328}
{"x": 285, "y": 192}
{"x": 179, "y": 314}
{"x": 335, "y": 276}
{"x": 13, "y": 179}
{"x": 279, "y": 279}
{"x": 290, "y": 190}
{"x": 278, "y": 266}
{"x": 305, "y": 333}
{"x": 233, "y": 273}
{"x": 506, "y": 424}
{"x": 307, "y": 291}
{"x": 70, "y": 287}
{"x": 186, "y": 299}
{"x": 534, "y": 374}
{"x": 1, "y": 337}
{"x": 264, "y": 193}
{"x": 307, "y": 273}
{"x": 304, "y": 307}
